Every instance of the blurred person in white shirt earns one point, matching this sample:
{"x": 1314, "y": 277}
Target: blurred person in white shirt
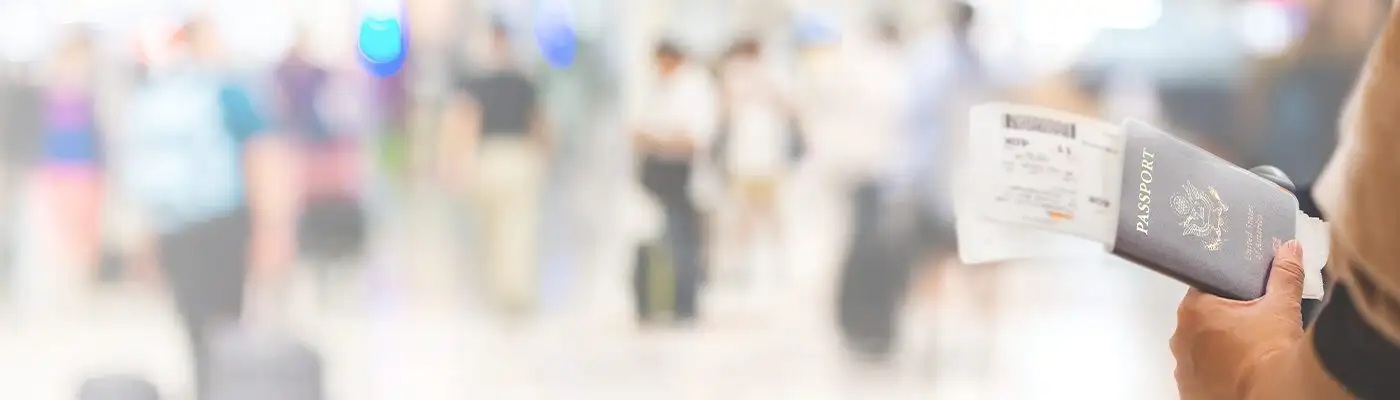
{"x": 758, "y": 150}
{"x": 675, "y": 123}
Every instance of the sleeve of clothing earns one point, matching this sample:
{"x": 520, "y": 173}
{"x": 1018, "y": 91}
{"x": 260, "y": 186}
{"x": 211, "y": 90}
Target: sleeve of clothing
{"x": 241, "y": 116}
{"x": 1353, "y": 351}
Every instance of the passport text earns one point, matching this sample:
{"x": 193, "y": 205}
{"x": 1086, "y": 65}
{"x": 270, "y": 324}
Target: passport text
{"x": 1144, "y": 203}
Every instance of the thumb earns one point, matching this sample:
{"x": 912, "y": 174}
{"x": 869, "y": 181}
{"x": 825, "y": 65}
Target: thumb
{"x": 1286, "y": 275}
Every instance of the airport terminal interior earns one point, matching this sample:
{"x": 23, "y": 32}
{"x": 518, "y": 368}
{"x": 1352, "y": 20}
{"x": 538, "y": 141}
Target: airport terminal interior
{"x": 599, "y": 199}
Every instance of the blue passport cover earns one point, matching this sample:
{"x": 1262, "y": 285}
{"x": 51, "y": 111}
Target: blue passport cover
{"x": 1197, "y": 218}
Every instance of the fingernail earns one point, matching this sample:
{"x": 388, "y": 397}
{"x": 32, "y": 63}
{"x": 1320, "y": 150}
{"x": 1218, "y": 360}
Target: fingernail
{"x": 1294, "y": 248}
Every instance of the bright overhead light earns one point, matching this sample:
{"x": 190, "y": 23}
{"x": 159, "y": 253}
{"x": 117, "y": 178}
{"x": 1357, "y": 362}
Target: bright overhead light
{"x": 1266, "y": 28}
{"x": 1126, "y": 14}
{"x": 1025, "y": 39}
{"x": 24, "y": 33}
{"x": 381, "y": 39}
{"x": 555, "y": 33}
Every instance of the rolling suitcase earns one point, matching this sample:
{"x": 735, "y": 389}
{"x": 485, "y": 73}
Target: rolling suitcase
{"x": 662, "y": 291}
{"x": 118, "y": 387}
{"x": 654, "y": 281}
{"x": 247, "y": 364}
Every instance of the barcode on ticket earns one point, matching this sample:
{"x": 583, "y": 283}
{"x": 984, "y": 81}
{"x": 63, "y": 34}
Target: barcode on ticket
{"x": 1039, "y": 124}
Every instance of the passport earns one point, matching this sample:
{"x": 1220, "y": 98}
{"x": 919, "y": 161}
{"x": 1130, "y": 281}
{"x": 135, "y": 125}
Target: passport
{"x": 1197, "y": 218}
{"x": 1040, "y": 183}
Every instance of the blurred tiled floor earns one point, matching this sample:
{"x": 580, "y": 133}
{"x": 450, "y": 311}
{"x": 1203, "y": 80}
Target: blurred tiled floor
{"x": 1074, "y": 329}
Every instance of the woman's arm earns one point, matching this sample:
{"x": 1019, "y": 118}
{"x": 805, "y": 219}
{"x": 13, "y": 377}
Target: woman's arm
{"x": 1359, "y": 188}
{"x": 1296, "y": 374}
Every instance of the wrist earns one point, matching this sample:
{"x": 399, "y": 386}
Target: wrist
{"x": 1275, "y": 375}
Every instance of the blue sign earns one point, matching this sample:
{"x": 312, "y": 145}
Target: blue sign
{"x": 383, "y": 44}
{"x": 555, "y": 34}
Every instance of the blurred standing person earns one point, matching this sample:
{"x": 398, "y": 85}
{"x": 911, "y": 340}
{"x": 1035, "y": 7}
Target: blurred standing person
{"x": 300, "y": 83}
{"x": 949, "y": 77}
{"x": 756, "y": 152}
{"x": 497, "y": 140}
{"x": 332, "y": 226}
{"x": 71, "y": 166}
{"x": 213, "y": 186}
{"x": 675, "y": 124}
{"x": 852, "y": 106}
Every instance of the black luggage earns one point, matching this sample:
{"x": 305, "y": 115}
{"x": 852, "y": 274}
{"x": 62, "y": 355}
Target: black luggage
{"x": 332, "y": 230}
{"x": 875, "y": 274}
{"x": 246, "y": 364}
{"x": 118, "y": 387}
{"x": 332, "y": 226}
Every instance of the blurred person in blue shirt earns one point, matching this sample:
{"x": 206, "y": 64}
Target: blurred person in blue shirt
{"x": 949, "y": 77}
{"x": 195, "y": 160}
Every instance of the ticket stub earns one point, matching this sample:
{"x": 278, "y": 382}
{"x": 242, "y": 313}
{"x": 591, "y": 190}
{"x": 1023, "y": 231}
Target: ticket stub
{"x": 1047, "y": 169}
{"x": 1312, "y": 234}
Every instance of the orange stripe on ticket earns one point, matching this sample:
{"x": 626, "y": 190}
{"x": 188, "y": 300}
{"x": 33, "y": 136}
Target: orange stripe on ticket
{"x": 1060, "y": 215}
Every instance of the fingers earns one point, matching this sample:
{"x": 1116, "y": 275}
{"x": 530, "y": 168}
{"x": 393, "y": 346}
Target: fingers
{"x": 1286, "y": 277}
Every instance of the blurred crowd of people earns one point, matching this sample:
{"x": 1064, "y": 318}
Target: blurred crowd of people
{"x": 198, "y": 178}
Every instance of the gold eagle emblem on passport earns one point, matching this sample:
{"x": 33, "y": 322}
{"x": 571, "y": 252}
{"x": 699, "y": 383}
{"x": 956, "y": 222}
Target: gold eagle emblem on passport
{"x": 1202, "y": 214}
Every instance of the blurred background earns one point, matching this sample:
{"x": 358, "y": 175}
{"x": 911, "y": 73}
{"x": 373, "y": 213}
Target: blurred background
{"x": 693, "y": 199}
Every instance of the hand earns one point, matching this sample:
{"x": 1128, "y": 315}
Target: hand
{"x": 1223, "y": 346}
